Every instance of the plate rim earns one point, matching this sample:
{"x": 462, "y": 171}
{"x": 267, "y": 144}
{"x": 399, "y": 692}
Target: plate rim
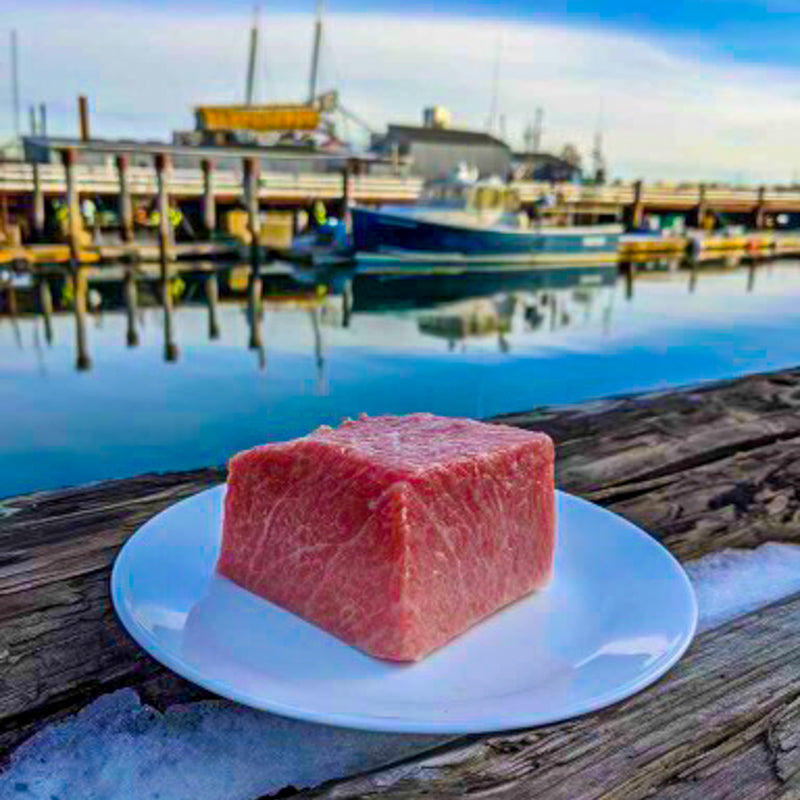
{"x": 388, "y": 723}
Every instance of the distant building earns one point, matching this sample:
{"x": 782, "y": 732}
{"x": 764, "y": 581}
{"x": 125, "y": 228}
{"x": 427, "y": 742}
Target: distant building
{"x": 436, "y": 151}
{"x": 544, "y": 167}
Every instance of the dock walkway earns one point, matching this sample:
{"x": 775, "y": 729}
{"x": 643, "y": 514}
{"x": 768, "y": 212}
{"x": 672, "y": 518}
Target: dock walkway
{"x": 702, "y": 469}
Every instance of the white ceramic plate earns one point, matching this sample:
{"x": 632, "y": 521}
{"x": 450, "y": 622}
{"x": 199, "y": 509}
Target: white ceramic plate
{"x": 618, "y": 614}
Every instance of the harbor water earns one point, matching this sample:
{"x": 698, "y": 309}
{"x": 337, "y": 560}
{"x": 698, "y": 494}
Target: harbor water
{"x": 205, "y": 379}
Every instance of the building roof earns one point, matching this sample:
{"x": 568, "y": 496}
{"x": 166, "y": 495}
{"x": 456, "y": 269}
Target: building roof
{"x": 542, "y": 158}
{"x": 444, "y": 135}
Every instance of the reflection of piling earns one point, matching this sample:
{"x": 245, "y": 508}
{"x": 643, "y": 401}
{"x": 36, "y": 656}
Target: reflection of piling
{"x": 319, "y": 356}
{"x": 254, "y": 317}
{"x": 629, "y": 272}
{"x": 46, "y": 307}
{"x": 164, "y": 229}
{"x": 131, "y": 301}
{"x": 80, "y": 281}
{"x": 751, "y": 276}
{"x": 212, "y": 295}
{"x": 347, "y": 303}
{"x": 694, "y": 271}
{"x": 170, "y": 347}
{"x": 125, "y": 202}
{"x": 209, "y": 202}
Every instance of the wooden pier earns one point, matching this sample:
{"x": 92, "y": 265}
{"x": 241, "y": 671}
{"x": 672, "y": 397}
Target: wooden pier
{"x": 701, "y": 469}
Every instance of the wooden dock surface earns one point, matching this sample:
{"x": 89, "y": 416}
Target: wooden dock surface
{"x": 702, "y": 469}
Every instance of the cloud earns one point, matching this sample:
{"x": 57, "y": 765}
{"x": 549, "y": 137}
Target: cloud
{"x": 666, "y": 113}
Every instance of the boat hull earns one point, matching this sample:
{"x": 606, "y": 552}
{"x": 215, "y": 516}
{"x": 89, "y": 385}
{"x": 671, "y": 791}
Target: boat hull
{"x": 383, "y": 238}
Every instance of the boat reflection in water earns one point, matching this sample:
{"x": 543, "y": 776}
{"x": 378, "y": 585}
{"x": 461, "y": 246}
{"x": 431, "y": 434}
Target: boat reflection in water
{"x": 446, "y": 305}
{"x": 450, "y": 305}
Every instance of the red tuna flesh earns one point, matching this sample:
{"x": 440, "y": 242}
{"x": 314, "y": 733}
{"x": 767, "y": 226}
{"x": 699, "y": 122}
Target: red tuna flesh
{"x": 394, "y": 534}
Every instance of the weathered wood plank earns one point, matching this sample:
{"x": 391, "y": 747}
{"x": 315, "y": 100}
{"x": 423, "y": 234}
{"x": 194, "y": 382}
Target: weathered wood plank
{"x": 722, "y": 724}
{"x": 701, "y": 469}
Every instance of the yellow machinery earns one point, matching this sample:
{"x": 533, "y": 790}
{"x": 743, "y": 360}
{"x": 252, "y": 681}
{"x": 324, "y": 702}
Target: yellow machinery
{"x": 257, "y": 118}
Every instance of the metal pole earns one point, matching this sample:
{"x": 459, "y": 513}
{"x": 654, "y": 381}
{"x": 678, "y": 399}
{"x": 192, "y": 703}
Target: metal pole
{"x": 312, "y": 81}
{"x": 42, "y": 119}
{"x": 32, "y": 118}
{"x": 251, "y": 61}
{"x": 15, "y": 81}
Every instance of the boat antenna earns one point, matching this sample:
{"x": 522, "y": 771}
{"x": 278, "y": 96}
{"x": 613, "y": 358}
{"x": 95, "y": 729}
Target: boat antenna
{"x": 538, "y": 130}
{"x": 312, "y": 81}
{"x": 251, "y": 60}
{"x": 598, "y": 159}
{"x": 15, "y": 80}
{"x": 495, "y": 88}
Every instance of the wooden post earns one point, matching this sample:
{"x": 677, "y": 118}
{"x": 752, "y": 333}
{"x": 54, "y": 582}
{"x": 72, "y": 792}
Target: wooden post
{"x": 250, "y": 189}
{"x": 702, "y": 208}
{"x": 209, "y": 201}
{"x": 212, "y": 295}
{"x": 83, "y": 360}
{"x": 125, "y": 203}
{"x": 760, "y": 214}
{"x": 73, "y": 205}
{"x": 38, "y": 211}
{"x": 164, "y": 227}
{"x": 637, "y": 209}
{"x": 46, "y": 307}
{"x": 347, "y": 192}
{"x": 83, "y": 116}
{"x": 131, "y": 301}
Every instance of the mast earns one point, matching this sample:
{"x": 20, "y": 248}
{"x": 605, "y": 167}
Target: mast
{"x": 15, "y": 81}
{"x": 312, "y": 81}
{"x": 251, "y": 60}
{"x": 495, "y": 88}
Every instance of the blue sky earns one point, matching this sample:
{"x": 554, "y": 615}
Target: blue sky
{"x": 706, "y": 90}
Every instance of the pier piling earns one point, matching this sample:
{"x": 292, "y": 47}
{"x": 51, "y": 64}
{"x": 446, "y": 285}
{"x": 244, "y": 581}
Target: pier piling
{"x": 68, "y": 157}
{"x": 760, "y": 213}
{"x": 38, "y": 209}
{"x": 83, "y": 117}
{"x": 162, "y": 163}
{"x": 125, "y": 202}
{"x": 209, "y": 202}
{"x": 637, "y": 209}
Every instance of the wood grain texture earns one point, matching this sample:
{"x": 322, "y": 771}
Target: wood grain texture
{"x": 722, "y": 724}
{"x": 701, "y": 469}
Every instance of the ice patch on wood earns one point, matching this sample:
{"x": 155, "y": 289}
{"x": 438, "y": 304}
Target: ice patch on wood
{"x": 118, "y": 749}
{"x": 731, "y": 583}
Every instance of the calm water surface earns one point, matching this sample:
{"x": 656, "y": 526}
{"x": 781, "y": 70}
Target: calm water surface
{"x": 318, "y": 353}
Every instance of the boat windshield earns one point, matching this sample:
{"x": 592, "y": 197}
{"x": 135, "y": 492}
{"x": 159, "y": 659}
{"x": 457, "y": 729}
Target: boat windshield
{"x": 446, "y": 195}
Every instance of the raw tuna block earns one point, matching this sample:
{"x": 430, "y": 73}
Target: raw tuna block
{"x": 393, "y": 533}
